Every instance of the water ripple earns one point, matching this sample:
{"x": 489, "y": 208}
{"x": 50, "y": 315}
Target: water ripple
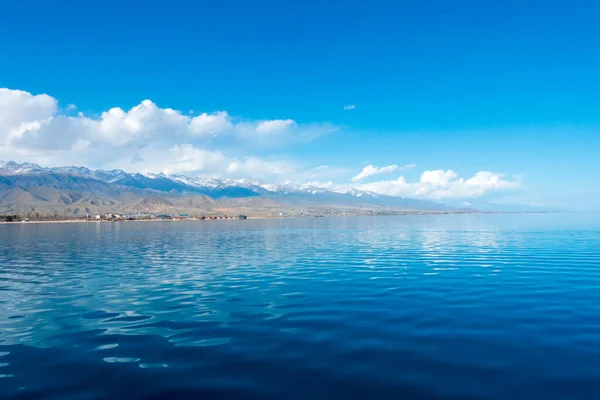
{"x": 466, "y": 306}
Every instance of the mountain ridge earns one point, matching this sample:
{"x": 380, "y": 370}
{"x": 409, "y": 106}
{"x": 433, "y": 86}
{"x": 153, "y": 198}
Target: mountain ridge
{"x": 28, "y": 186}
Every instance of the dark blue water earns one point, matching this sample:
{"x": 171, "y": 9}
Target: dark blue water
{"x": 482, "y": 307}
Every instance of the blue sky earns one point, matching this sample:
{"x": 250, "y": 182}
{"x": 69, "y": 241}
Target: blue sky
{"x": 507, "y": 87}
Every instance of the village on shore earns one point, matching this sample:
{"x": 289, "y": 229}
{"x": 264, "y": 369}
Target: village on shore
{"x": 313, "y": 213}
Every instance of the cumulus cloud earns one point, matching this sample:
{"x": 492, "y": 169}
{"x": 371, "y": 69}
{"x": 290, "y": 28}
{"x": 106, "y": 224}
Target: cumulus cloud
{"x": 210, "y": 125}
{"x": 349, "y": 107}
{"x": 192, "y": 160}
{"x": 25, "y": 119}
{"x": 370, "y": 170}
{"x": 434, "y": 184}
{"x": 149, "y": 137}
{"x": 438, "y": 177}
{"x": 21, "y": 111}
{"x": 440, "y": 184}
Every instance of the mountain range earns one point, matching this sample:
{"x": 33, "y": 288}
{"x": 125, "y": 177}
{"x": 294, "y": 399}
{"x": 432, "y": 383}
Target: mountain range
{"x": 77, "y": 191}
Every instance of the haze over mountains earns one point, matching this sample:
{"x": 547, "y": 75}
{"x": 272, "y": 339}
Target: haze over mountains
{"x": 77, "y": 191}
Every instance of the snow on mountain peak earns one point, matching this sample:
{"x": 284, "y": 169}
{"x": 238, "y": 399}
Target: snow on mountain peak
{"x": 17, "y": 168}
{"x": 321, "y": 192}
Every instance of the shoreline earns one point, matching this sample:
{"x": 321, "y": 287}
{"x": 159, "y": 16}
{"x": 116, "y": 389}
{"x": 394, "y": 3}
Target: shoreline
{"x": 71, "y": 221}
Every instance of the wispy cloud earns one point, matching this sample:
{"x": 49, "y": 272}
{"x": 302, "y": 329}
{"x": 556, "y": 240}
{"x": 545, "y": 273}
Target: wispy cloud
{"x": 349, "y": 107}
{"x": 407, "y": 167}
{"x": 370, "y": 170}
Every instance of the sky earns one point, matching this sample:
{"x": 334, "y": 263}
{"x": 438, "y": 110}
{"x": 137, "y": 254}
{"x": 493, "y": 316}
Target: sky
{"x": 472, "y": 101}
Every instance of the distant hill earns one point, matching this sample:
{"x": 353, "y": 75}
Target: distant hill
{"x": 77, "y": 191}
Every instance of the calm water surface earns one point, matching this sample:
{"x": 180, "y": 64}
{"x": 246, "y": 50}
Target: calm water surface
{"x": 472, "y": 306}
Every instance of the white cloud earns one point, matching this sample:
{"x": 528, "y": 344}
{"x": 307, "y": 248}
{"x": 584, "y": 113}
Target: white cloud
{"x": 370, "y": 170}
{"x": 148, "y": 137}
{"x": 21, "y": 111}
{"x": 440, "y": 184}
{"x": 325, "y": 185}
{"x": 437, "y": 177}
{"x": 275, "y": 127}
{"x": 271, "y": 133}
{"x": 209, "y": 125}
{"x": 349, "y": 107}
{"x": 190, "y": 160}
{"x": 253, "y": 167}
{"x": 139, "y": 125}
{"x": 435, "y": 185}
{"x": 187, "y": 159}
{"x": 35, "y": 121}
{"x": 398, "y": 187}
{"x": 407, "y": 167}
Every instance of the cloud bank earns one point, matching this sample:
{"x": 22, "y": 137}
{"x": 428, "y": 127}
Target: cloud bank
{"x": 145, "y": 138}
{"x": 148, "y": 138}
{"x": 440, "y": 184}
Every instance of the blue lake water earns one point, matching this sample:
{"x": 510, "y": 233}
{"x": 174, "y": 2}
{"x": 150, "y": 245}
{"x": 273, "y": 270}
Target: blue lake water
{"x": 411, "y": 307}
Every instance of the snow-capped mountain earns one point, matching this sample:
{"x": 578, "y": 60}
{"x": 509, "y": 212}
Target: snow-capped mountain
{"x": 217, "y": 188}
{"x": 15, "y": 168}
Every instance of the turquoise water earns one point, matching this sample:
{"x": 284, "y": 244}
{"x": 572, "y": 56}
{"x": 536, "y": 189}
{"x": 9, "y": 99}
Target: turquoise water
{"x": 465, "y": 306}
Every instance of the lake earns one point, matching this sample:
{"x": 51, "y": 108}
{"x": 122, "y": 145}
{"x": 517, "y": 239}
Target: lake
{"x": 411, "y": 307}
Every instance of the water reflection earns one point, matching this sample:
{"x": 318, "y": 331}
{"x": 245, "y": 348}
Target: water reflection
{"x": 345, "y": 303}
